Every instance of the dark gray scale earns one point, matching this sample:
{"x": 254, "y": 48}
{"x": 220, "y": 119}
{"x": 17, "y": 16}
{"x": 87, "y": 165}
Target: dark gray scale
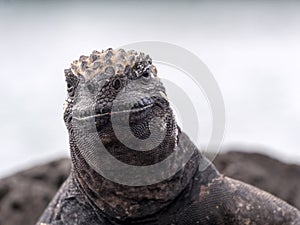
{"x": 127, "y": 78}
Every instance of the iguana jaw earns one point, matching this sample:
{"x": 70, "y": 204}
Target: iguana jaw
{"x": 92, "y": 114}
{"x": 139, "y": 112}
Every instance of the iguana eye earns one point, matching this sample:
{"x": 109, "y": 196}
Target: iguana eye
{"x": 70, "y": 90}
{"x": 146, "y": 74}
{"x": 117, "y": 83}
{"x": 90, "y": 88}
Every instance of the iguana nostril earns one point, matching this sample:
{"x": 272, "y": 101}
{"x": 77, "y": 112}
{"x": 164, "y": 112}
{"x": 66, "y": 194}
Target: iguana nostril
{"x": 136, "y": 105}
{"x": 91, "y": 88}
{"x": 147, "y": 101}
{"x": 141, "y": 103}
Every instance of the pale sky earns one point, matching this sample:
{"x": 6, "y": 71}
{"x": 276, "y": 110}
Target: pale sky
{"x": 252, "y": 49}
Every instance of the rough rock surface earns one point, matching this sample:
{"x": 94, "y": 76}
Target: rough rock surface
{"x": 273, "y": 176}
{"x": 24, "y": 195}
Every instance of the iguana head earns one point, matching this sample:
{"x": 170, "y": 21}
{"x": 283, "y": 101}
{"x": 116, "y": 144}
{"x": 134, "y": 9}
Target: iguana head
{"x": 116, "y": 102}
{"x": 123, "y": 85}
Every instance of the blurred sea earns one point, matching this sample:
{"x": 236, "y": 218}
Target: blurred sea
{"x": 252, "y": 49}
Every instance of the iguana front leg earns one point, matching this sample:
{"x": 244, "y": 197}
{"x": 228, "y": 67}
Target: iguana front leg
{"x": 226, "y": 201}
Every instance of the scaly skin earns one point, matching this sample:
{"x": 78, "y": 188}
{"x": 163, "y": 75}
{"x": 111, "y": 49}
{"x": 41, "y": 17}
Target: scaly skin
{"x": 189, "y": 197}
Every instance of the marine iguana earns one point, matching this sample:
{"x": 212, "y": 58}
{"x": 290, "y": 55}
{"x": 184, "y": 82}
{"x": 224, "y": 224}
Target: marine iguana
{"x": 189, "y": 196}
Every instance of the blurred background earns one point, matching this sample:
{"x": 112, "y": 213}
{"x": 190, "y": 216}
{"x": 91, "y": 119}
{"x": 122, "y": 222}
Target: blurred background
{"x": 251, "y": 47}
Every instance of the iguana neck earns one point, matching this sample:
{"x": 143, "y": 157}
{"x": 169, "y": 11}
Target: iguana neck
{"x": 131, "y": 202}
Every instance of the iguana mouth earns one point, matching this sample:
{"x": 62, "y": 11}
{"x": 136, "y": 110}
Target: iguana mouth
{"x": 117, "y": 113}
{"x": 140, "y": 111}
{"x": 105, "y": 126}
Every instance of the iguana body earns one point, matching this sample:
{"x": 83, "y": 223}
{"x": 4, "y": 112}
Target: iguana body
{"x": 189, "y": 197}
